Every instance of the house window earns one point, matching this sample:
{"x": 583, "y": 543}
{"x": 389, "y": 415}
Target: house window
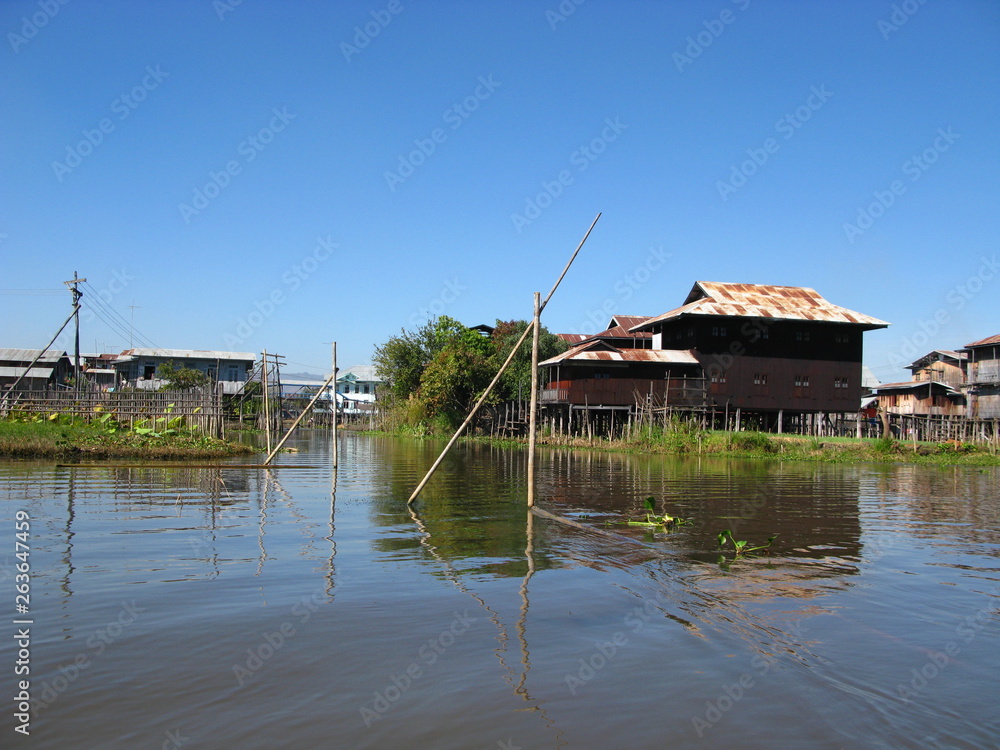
{"x": 366, "y": 389}
{"x": 720, "y": 331}
{"x": 801, "y": 381}
{"x": 601, "y": 375}
{"x": 840, "y": 382}
{"x": 841, "y": 338}
{"x": 234, "y": 372}
{"x": 148, "y": 372}
{"x": 760, "y": 378}
{"x": 802, "y": 335}
{"x": 765, "y": 333}
{"x": 718, "y": 377}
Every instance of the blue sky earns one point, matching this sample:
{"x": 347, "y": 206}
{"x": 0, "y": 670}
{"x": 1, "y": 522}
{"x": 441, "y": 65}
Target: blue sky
{"x": 281, "y": 175}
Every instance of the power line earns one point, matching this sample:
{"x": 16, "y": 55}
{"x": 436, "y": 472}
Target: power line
{"x": 122, "y": 326}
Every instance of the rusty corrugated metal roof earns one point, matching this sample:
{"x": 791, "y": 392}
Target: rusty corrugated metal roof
{"x": 596, "y": 351}
{"x": 991, "y": 340}
{"x": 762, "y": 301}
{"x": 627, "y": 321}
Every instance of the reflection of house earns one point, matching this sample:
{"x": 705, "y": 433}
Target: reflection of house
{"x": 983, "y": 378}
{"x": 52, "y": 368}
{"x": 357, "y": 389}
{"x": 774, "y": 351}
{"x": 138, "y": 367}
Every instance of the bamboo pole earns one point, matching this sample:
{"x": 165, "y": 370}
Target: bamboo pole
{"x": 27, "y": 369}
{"x": 298, "y": 419}
{"x": 533, "y": 414}
{"x": 489, "y": 388}
{"x": 336, "y": 457}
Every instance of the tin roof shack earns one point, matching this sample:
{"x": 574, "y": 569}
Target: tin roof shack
{"x": 941, "y": 365}
{"x": 921, "y": 398}
{"x": 769, "y": 349}
{"x": 983, "y": 378}
{"x": 598, "y": 374}
{"x": 137, "y": 367}
{"x": 52, "y": 368}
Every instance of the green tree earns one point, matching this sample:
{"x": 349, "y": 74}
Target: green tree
{"x": 516, "y": 381}
{"x": 180, "y": 378}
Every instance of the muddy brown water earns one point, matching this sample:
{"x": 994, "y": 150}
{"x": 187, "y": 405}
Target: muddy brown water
{"x": 236, "y": 608}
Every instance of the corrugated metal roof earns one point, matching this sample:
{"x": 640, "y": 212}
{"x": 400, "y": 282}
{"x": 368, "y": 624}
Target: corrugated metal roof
{"x": 26, "y": 355}
{"x": 992, "y": 340}
{"x": 573, "y": 338}
{"x": 762, "y": 301}
{"x": 627, "y": 321}
{"x": 910, "y": 385}
{"x": 34, "y": 372}
{"x": 597, "y": 352}
{"x": 188, "y": 354}
{"x": 930, "y": 356}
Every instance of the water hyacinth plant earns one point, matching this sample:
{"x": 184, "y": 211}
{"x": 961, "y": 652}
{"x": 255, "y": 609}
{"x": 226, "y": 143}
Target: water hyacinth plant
{"x": 653, "y": 521}
{"x": 740, "y": 547}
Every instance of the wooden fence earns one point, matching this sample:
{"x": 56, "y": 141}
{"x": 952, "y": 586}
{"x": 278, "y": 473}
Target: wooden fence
{"x": 201, "y": 407}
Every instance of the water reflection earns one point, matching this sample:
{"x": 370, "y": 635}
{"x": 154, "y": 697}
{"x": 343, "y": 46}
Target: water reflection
{"x": 578, "y": 638}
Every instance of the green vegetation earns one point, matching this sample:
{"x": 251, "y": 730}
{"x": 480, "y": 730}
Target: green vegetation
{"x": 434, "y": 374}
{"x": 740, "y": 547}
{"x": 665, "y": 521}
{"x": 180, "y": 378}
{"x": 59, "y": 436}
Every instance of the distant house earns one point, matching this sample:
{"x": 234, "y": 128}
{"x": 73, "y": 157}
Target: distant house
{"x": 138, "y": 367}
{"x": 983, "y": 378}
{"x": 942, "y": 365}
{"x": 779, "y": 353}
{"x": 921, "y": 398}
{"x": 357, "y": 389}
{"x": 53, "y": 368}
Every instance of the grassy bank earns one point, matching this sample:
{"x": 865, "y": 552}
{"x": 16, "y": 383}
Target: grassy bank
{"x": 78, "y": 440}
{"x": 683, "y": 439}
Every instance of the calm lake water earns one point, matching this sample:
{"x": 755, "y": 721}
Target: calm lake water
{"x": 234, "y": 608}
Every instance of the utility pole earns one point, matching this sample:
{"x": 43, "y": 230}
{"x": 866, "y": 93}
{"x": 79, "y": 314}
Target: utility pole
{"x": 131, "y": 330}
{"x": 73, "y": 284}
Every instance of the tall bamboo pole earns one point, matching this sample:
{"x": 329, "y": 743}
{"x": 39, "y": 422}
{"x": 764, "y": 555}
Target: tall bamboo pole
{"x": 335, "y": 456}
{"x": 267, "y": 413}
{"x": 533, "y": 414}
{"x": 503, "y": 367}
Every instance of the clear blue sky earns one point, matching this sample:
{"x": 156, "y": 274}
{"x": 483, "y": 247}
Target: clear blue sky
{"x": 724, "y": 141}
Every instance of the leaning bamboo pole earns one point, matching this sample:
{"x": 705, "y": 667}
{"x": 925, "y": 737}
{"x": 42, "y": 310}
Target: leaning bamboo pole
{"x": 299, "y": 418}
{"x": 489, "y": 388}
